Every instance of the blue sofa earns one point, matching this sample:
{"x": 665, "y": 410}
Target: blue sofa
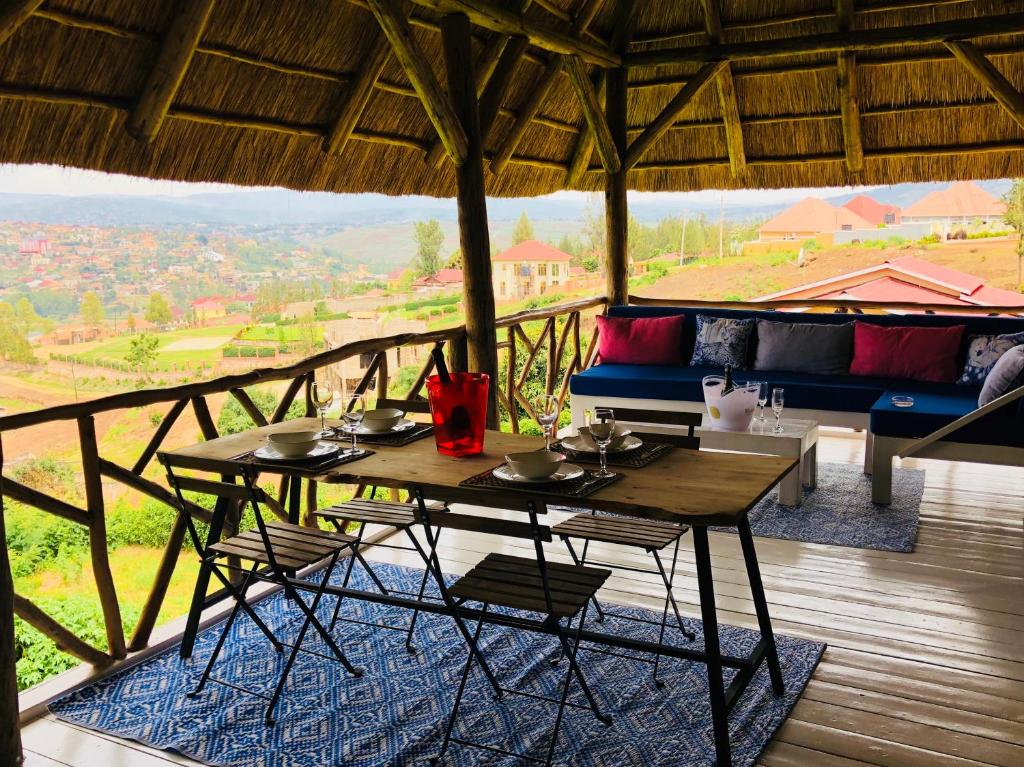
{"x": 861, "y": 402}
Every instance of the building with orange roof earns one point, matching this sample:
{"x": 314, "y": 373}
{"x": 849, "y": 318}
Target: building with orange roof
{"x": 445, "y": 279}
{"x": 808, "y": 218}
{"x": 530, "y": 268}
{"x": 961, "y": 206}
{"x": 873, "y": 211}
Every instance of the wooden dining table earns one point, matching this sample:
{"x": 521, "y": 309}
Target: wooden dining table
{"x": 699, "y": 488}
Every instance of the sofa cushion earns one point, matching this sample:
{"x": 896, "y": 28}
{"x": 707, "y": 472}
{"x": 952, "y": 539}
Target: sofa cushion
{"x": 721, "y": 341}
{"x": 936, "y": 407}
{"x": 806, "y": 348}
{"x": 1006, "y": 375}
{"x": 983, "y": 352}
{"x": 641, "y": 340}
{"x": 915, "y": 353}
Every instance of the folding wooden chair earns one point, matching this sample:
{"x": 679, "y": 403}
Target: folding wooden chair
{"x": 556, "y": 592}
{"x": 275, "y": 549}
{"x": 650, "y": 536}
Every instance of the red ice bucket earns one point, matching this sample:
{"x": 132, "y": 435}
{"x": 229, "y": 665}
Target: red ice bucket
{"x": 459, "y": 412}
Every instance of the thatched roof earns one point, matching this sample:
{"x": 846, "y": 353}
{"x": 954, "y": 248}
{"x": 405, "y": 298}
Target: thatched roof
{"x": 269, "y": 78}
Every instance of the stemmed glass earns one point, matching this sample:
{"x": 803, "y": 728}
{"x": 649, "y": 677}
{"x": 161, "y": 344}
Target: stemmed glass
{"x": 546, "y": 408}
{"x": 355, "y": 407}
{"x": 762, "y": 400}
{"x": 777, "y": 403}
{"x": 322, "y": 394}
{"x": 601, "y": 424}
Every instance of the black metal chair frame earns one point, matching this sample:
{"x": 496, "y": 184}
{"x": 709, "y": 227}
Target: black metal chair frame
{"x": 277, "y": 574}
{"x": 568, "y": 637}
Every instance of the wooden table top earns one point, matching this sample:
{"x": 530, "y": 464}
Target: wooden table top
{"x": 695, "y": 487}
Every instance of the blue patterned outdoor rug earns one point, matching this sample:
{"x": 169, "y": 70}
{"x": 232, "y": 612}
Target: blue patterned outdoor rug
{"x": 839, "y": 511}
{"x": 395, "y": 714}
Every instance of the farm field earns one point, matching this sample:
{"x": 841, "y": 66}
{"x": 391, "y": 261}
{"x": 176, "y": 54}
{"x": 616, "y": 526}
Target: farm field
{"x": 175, "y": 349}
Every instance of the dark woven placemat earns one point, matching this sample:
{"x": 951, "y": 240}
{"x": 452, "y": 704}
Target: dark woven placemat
{"x": 390, "y": 439}
{"x": 302, "y": 467}
{"x": 580, "y": 487}
{"x": 647, "y": 453}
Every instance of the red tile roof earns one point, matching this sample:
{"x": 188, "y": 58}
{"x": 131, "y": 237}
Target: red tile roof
{"x": 814, "y": 215}
{"x": 962, "y": 199}
{"x": 532, "y": 250}
{"x": 871, "y": 210}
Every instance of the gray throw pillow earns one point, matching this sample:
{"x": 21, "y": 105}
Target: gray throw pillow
{"x": 721, "y": 341}
{"x": 804, "y": 347}
{"x": 1006, "y": 375}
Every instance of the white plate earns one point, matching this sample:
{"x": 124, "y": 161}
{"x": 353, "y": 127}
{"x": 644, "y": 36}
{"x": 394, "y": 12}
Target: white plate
{"x": 580, "y": 445}
{"x": 404, "y": 425}
{"x": 270, "y": 453}
{"x": 565, "y": 471}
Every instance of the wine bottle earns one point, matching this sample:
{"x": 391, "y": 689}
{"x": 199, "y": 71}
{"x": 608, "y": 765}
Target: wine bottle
{"x": 729, "y": 386}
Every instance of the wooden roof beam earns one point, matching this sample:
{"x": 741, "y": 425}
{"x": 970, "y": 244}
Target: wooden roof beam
{"x": 13, "y": 14}
{"x": 540, "y": 91}
{"x": 359, "y": 92}
{"x": 439, "y": 109}
{"x": 849, "y": 94}
{"x": 667, "y": 117}
{"x": 727, "y": 100}
{"x": 833, "y": 42}
{"x": 1002, "y": 90}
{"x": 491, "y": 16}
{"x": 593, "y": 114}
{"x": 168, "y": 72}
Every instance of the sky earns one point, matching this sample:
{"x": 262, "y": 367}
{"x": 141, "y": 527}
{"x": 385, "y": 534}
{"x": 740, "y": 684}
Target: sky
{"x": 51, "y": 179}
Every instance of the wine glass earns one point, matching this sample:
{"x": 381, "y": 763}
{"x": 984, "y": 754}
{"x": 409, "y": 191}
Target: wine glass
{"x": 355, "y": 408}
{"x": 762, "y": 400}
{"x": 322, "y": 394}
{"x": 546, "y": 408}
{"x": 777, "y": 403}
{"x": 601, "y": 424}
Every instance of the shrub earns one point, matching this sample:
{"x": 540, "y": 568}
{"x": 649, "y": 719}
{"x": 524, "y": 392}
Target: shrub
{"x": 266, "y": 351}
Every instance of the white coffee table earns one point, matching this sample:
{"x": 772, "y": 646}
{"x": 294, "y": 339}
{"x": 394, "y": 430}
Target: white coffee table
{"x": 798, "y": 439}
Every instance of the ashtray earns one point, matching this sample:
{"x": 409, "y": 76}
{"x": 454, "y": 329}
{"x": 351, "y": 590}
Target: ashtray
{"x": 902, "y": 400}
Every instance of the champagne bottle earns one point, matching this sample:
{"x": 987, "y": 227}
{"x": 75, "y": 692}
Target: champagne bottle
{"x": 729, "y": 386}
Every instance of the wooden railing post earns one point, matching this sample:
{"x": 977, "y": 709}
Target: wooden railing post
{"x": 98, "y": 537}
{"x": 616, "y": 216}
{"x": 510, "y": 381}
{"x": 10, "y": 735}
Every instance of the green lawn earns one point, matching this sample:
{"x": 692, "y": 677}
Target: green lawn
{"x": 116, "y": 349}
{"x": 282, "y": 333}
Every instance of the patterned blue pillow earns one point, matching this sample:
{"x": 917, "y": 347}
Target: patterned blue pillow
{"x": 721, "y": 341}
{"x": 983, "y": 352}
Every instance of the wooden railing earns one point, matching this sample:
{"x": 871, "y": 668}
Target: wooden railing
{"x": 555, "y": 333}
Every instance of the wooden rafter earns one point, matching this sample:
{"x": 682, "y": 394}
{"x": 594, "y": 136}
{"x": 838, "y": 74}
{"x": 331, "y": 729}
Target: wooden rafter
{"x": 359, "y": 92}
{"x": 833, "y": 42}
{"x": 396, "y": 27}
{"x": 1002, "y": 90}
{"x": 849, "y": 94}
{"x": 667, "y": 117}
{"x": 540, "y": 92}
{"x": 498, "y": 19}
{"x": 593, "y": 114}
{"x": 13, "y": 14}
{"x": 727, "y": 100}
{"x": 168, "y": 72}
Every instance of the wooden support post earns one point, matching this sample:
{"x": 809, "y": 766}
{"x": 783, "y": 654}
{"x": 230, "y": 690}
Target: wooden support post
{"x": 13, "y": 14}
{"x": 458, "y": 353}
{"x": 98, "y": 537}
{"x": 591, "y": 104}
{"x": 616, "y": 216}
{"x": 478, "y": 290}
{"x": 552, "y": 371}
{"x": 1002, "y": 90}
{"x": 510, "y": 380}
{"x": 359, "y": 92}
{"x": 168, "y": 72}
{"x": 439, "y": 110}
{"x": 726, "y": 93}
{"x": 849, "y": 103}
{"x": 10, "y": 735}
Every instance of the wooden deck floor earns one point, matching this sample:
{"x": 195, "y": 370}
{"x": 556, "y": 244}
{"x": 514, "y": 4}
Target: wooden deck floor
{"x": 925, "y": 664}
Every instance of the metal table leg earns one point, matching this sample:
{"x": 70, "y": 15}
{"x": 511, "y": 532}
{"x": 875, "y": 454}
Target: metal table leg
{"x": 764, "y": 622}
{"x": 712, "y": 648}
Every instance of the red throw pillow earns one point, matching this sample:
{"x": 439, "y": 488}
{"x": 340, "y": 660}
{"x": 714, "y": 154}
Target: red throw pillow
{"x": 641, "y": 340}
{"x": 920, "y": 354}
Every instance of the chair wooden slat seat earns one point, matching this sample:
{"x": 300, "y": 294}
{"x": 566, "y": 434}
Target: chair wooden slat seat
{"x": 517, "y": 582}
{"x": 292, "y": 545}
{"x": 640, "y": 533}
{"x": 372, "y": 512}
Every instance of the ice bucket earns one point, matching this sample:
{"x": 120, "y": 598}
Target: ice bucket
{"x": 459, "y": 411}
{"x": 733, "y": 411}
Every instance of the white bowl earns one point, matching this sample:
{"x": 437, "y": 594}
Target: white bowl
{"x": 382, "y": 419}
{"x": 294, "y": 444}
{"x": 536, "y": 464}
{"x": 619, "y": 435}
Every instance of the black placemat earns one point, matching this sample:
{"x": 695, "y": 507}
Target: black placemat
{"x": 647, "y": 453}
{"x": 303, "y": 467}
{"x": 390, "y": 439}
{"x": 572, "y": 488}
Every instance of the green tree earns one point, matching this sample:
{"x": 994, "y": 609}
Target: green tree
{"x": 1014, "y": 217}
{"x": 158, "y": 311}
{"x": 233, "y": 419}
{"x": 454, "y": 260}
{"x": 25, "y": 316}
{"x": 132, "y": 324}
{"x": 142, "y": 351}
{"x": 91, "y": 309}
{"x": 523, "y": 230}
{"x": 14, "y": 347}
{"x": 429, "y": 238}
